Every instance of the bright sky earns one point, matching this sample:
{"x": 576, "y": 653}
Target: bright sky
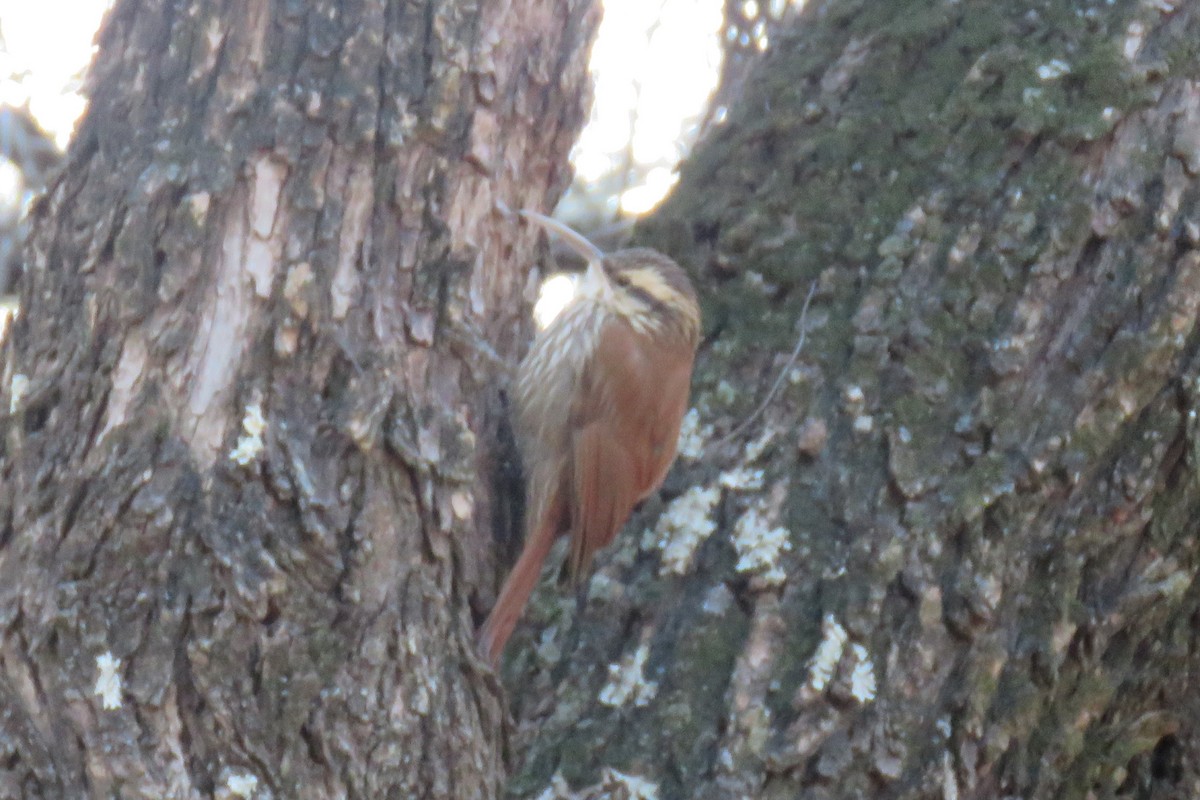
{"x": 47, "y": 45}
{"x": 655, "y": 63}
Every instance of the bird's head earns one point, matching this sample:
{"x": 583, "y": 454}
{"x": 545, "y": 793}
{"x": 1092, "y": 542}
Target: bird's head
{"x": 640, "y": 284}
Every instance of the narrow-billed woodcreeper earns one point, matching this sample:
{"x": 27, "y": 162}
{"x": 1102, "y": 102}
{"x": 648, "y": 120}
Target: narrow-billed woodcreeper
{"x": 598, "y": 404}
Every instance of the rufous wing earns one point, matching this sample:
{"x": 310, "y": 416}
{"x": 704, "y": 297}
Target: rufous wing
{"x": 632, "y": 401}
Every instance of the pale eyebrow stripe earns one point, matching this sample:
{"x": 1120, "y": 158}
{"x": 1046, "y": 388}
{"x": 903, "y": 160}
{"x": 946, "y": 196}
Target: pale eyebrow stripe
{"x": 649, "y": 285}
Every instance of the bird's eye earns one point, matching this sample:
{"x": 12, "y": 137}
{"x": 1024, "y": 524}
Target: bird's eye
{"x": 622, "y": 278}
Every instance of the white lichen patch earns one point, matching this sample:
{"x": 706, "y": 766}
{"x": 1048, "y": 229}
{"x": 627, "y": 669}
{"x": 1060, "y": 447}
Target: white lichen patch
{"x": 462, "y": 504}
{"x": 238, "y": 785}
{"x": 828, "y": 654}
{"x": 197, "y": 204}
{"x": 726, "y": 393}
{"x": 16, "y": 391}
{"x": 862, "y": 676}
{"x": 864, "y": 424}
{"x": 108, "y": 681}
{"x": 757, "y": 447}
{"x": 250, "y": 443}
{"x": 422, "y": 699}
{"x": 693, "y": 436}
{"x": 681, "y": 529}
{"x": 742, "y": 479}
{"x": 756, "y": 280}
{"x": 717, "y": 600}
{"x": 1135, "y": 35}
{"x": 627, "y": 681}
{"x": 949, "y": 782}
{"x": 1053, "y": 69}
{"x": 613, "y": 784}
{"x": 635, "y": 788}
{"x": 557, "y": 790}
{"x": 759, "y": 546}
{"x": 548, "y": 647}
{"x": 943, "y": 727}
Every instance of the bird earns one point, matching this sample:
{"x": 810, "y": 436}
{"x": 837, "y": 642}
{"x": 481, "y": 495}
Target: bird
{"x": 598, "y": 403}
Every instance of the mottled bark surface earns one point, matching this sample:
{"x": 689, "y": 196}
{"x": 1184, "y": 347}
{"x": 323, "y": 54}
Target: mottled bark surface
{"x": 251, "y": 398}
{"x": 957, "y": 558}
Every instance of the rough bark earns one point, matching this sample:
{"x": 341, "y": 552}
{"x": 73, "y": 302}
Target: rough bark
{"x": 251, "y": 398}
{"x": 975, "y": 497}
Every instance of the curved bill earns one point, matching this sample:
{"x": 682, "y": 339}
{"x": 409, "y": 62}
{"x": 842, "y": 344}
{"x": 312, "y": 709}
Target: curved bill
{"x": 575, "y": 240}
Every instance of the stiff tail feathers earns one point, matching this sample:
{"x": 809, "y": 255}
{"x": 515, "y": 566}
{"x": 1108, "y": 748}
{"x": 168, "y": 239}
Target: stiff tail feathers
{"x": 518, "y": 586}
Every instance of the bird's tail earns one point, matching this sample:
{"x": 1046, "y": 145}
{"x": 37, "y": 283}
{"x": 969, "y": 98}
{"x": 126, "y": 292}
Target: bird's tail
{"x": 518, "y": 586}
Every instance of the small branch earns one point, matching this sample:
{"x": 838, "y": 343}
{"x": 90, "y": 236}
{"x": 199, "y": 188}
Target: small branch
{"x": 740, "y": 429}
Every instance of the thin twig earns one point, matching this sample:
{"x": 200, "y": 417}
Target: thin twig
{"x": 740, "y": 429}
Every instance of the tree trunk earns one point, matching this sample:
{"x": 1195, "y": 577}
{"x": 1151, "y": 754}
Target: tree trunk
{"x": 957, "y": 555}
{"x": 253, "y": 397}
